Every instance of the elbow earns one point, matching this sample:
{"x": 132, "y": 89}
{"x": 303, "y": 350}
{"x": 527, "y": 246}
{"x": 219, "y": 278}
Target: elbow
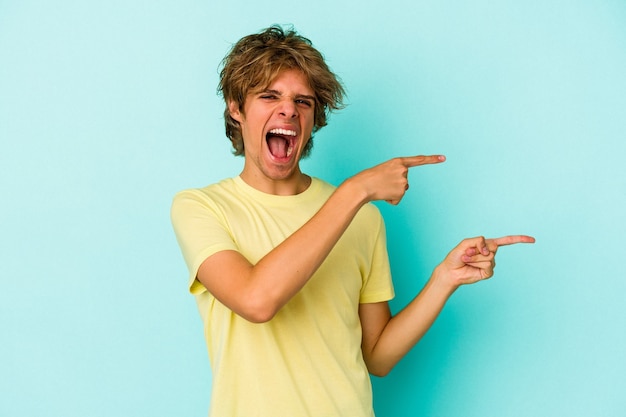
{"x": 258, "y": 316}
{"x": 258, "y": 310}
{"x": 380, "y": 371}
{"x": 378, "y": 368}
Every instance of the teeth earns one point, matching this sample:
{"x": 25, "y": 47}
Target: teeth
{"x": 284, "y": 132}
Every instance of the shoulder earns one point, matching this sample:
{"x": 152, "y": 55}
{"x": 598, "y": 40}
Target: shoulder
{"x": 371, "y": 211}
{"x": 321, "y": 187}
{"x": 214, "y": 191}
{"x": 198, "y": 202}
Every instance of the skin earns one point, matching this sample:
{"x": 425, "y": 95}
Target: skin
{"x": 287, "y": 103}
{"x": 256, "y": 292}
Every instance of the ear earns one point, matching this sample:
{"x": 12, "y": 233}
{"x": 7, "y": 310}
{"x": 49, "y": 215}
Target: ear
{"x": 233, "y": 109}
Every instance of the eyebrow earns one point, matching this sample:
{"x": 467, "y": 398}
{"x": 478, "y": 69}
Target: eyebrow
{"x": 278, "y": 93}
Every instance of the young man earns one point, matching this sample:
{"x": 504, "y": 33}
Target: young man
{"x": 291, "y": 274}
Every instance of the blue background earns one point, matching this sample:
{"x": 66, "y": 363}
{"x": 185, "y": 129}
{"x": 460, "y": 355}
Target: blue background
{"x": 107, "y": 108}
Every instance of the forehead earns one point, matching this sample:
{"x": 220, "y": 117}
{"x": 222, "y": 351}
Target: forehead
{"x": 290, "y": 81}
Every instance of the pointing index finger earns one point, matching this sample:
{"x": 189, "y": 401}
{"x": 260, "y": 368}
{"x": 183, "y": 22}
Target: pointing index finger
{"x": 511, "y": 240}
{"x": 413, "y": 161}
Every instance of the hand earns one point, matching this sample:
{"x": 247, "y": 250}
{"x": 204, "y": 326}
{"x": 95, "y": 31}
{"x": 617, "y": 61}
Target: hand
{"x": 474, "y": 259}
{"x": 389, "y": 180}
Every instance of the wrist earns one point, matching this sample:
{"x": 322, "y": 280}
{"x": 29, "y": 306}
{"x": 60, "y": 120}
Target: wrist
{"x": 443, "y": 280}
{"x": 354, "y": 192}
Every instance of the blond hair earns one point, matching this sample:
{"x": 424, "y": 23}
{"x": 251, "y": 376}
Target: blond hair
{"x": 255, "y": 61}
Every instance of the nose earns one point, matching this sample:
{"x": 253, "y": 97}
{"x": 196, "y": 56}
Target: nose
{"x": 288, "y": 109}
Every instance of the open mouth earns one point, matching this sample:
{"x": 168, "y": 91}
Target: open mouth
{"x": 281, "y": 142}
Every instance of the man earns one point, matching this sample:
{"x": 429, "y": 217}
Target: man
{"x": 291, "y": 274}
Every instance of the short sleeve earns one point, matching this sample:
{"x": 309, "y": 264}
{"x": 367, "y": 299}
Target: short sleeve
{"x": 201, "y": 231}
{"x": 378, "y": 285}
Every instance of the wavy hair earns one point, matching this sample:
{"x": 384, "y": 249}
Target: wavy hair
{"x": 255, "y": 61}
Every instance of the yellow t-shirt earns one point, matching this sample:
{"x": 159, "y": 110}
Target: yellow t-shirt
{"x": 307, "y": 360}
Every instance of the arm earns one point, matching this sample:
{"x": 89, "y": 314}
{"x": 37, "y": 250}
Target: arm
{"x": 257, "y": 292}
{"x": 387, "y": 339}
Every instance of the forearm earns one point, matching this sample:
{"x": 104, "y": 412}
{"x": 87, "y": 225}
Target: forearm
{"x": 279, "y": 275}
{"x": 470, "y": 261}
{"x": 257, "y": 291}
{"x": 270, "y": 283}
{"x": 407, "y": 327}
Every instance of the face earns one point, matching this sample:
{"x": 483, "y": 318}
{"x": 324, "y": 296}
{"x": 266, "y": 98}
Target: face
{"x": 276, "y": 125}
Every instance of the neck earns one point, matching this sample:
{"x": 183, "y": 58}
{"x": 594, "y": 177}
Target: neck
{"x": 288, "y": 186}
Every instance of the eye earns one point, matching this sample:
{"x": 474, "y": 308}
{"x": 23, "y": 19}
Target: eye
{"x": 268, "y": 97}
{"x": 304, "y": 102}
